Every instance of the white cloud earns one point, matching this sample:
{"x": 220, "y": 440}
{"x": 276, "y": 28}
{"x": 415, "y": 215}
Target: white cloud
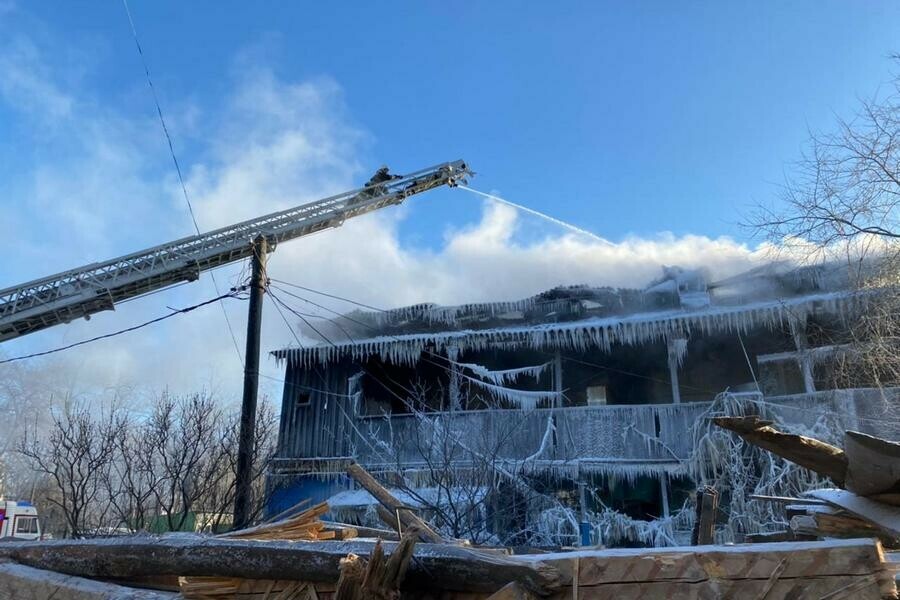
{"x": 273, "y": 144}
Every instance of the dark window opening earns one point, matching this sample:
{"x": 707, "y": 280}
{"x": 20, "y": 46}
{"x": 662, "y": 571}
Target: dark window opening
{"x": 303, "y": 399}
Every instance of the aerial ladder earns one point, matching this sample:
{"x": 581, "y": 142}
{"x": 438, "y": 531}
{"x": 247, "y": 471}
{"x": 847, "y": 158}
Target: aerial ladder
{"x": 81, "y": 292}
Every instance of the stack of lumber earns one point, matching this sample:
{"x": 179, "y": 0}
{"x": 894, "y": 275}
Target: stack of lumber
{"x": 304, "y": 526}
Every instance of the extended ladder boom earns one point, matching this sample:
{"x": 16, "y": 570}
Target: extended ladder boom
{"x": 81, "y": 292}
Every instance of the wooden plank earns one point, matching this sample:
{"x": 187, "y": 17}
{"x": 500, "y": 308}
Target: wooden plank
{"x": 892, "y": 499}
{"x": 845, "y": 558}
{"x": 786, "y": 499}
{"x": 842, "y": 525}
{"x": 380, "y": 493}
{"x": 810, "y": 509}
{"x": 444, "y": 566}
{"x": 873, "y": 464}
{"x": 361, "y": 531}
{"x": 812, "y": 588}
{"x": 20, "y": 582}
{"x": 882, "y": 515}
{"x": 807, "y": 452}
{"x": 341, "y": 533}
{"x": 770, "y": 536}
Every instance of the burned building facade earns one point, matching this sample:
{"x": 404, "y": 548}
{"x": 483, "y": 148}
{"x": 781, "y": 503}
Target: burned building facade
{"x": 587, "y": 395}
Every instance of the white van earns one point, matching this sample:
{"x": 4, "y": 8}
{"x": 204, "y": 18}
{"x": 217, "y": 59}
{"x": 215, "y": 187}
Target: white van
{"x": 19, "y": 520}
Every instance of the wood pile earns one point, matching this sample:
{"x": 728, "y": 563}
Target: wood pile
{"x": 297, "y": 559}
{"x": 304, "y": 526}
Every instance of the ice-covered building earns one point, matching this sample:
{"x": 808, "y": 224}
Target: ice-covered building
{"x": 586, "y": 394}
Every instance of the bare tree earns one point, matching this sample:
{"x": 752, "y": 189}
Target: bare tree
{"x": 77, "y": 456}
{"x": 465, "y": 482}
{"x": 220, "y": 498}
{"x": 135, "y": 477}
{"x": 185, "y": 436}
{"x": 841, "y": 199}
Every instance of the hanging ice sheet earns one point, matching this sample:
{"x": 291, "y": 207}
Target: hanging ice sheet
{"x": 523, "y": 399}
{"x": 506, "y": 375}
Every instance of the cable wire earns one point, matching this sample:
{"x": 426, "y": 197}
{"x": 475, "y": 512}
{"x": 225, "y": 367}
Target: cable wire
{"x": 187, "y": 199}
{"x": 175, "y": 311}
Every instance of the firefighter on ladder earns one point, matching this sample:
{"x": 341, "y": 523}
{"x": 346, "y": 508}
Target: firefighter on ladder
{"x": 375, "y": 185}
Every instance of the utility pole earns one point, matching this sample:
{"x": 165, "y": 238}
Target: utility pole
{"x": 244, "y": 478}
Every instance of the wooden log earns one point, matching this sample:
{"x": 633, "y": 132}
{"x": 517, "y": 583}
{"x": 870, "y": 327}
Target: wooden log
{"x": 873, "y": 464}
{"x": 707, "y": 509}
{"x": 380, "y": 493}
{"x": 807, "y": 452}
{"x": 384, "y": 576}
{"x": 708, "y": 570}
{"x": 443, "y": 566}
{"x": 389, "y": 519}
{"x": 353, "y": 571}
{"x": 20, "y": 582}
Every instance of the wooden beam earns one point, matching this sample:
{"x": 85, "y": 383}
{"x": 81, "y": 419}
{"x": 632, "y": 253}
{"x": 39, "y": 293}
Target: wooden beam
{"x": 366, "y": 532}
{"x": 865, "y": 588}
{"x": 807, "y": 452}
{"x": 776, "y": 536}
{"x": 380, "y": 493}
{"x": 20, "y": 582}
{"x": 707, "y": 509}
{"x": 873, "y": 464}
{"x": 786, "y": 499}
{"x": 883, "y": 516}
{"x": 740, "y": 571}
{"x": 443, "y": 566}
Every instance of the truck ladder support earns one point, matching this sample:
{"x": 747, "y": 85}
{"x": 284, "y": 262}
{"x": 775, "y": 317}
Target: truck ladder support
{"x": 81, "y": 292}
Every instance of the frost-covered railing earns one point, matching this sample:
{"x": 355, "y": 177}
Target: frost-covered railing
{"x": 623, "y": 440}
{"x": 646, "y": 435}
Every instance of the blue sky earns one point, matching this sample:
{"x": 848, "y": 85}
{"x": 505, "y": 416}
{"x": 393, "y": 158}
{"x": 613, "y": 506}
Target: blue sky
{"x": 621, "y": 117}
{"x": 654, "y": 124}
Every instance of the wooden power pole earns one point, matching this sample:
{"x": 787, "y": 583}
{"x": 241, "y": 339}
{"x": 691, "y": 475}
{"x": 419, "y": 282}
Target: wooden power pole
{"x": 244, "y": 478}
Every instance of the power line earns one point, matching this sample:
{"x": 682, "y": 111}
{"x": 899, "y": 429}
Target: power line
{"x": 187, "y": 200}
{"x": 304, "y": 319}
{"x": 327, "y": 295}
{"x": 175, "y": 311}
{"x": 333, "y": 321}
{"x": 286, "y": 322}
